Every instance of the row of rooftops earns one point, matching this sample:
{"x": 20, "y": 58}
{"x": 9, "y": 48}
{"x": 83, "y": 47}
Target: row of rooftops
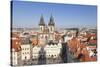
{"x": 72, "y": 44}
{"x": 17, "y": 41}
{"x": 26, "y": 40}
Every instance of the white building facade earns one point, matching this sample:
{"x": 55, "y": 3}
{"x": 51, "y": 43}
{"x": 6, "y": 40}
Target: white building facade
{"x": 26, "y": 51}
{"x": 16, "y": 57}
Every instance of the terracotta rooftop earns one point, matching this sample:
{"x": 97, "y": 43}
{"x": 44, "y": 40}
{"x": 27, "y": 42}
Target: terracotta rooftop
{"x": 15, "y": 42}
{"x": 16, "y": 47}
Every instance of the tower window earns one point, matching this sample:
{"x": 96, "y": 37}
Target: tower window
{"x": 51, "y": 28}
{"x": 41, "y": 28}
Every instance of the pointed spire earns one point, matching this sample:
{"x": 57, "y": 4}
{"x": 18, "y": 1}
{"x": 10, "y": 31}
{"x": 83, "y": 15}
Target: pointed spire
{"x": 51, "y": 22}
{"x": 42, "y": 21}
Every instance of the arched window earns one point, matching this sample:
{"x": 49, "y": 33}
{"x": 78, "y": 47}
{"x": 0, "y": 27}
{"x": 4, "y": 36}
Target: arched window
{"x": 51, "y": 28}
{"x": 41, "y": 28}
{"x": 25, "y": 57}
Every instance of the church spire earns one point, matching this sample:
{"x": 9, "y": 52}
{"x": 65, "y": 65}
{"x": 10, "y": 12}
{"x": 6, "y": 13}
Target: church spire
{"x": 42, "y": 21}
{"x": 51, "y": 22}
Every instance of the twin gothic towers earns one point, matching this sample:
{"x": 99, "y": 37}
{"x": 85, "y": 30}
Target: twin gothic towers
{"x": 46, "y": 31}
{"x": 50, "y": 28}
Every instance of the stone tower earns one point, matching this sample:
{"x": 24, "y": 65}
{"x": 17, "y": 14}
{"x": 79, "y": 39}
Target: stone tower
{"x": 42, "y": 24}
{"x": 51, "y": 25}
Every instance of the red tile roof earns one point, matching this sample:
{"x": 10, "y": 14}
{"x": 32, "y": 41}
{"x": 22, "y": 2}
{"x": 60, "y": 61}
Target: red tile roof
{"x": 16, "y": 47}
{"x": 15, "y": 42}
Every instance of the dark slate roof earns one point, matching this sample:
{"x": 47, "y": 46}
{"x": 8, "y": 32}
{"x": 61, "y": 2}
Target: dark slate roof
{"x": 51, "y": 22}
{"x": 42, "y": 21}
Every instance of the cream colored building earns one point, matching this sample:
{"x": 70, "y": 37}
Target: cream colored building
{"x": 53, "y": 51}
{"x": 26, "y": 49}
{"x": 16, "y": 57}
{"x": 35, "y": 52}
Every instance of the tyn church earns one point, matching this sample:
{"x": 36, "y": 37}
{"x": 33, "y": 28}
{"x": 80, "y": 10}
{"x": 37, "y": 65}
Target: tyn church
{"x": 46, "y": 32}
